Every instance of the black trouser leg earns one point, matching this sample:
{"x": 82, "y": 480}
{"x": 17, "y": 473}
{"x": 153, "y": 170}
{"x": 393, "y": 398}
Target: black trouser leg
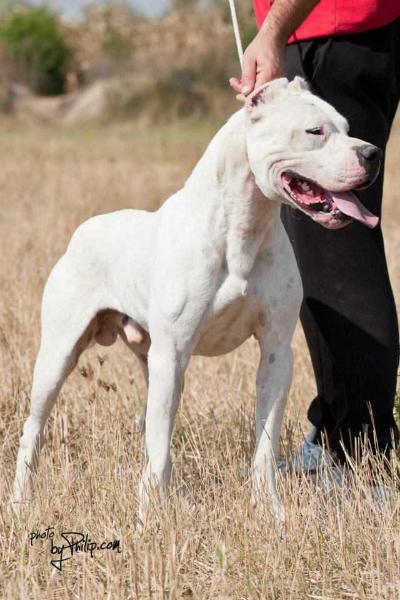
{"x": 348, "y": 313}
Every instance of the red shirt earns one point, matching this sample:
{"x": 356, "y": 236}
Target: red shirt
{"x": 338, "y": 17}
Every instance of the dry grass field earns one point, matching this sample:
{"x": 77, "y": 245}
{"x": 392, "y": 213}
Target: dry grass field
{"x": 332, "y": 546}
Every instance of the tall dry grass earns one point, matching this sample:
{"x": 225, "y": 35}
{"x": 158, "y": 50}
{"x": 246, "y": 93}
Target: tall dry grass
{"x": 331, "y": 547}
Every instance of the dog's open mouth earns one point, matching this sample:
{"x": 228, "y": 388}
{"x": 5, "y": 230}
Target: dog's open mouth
{"x": 331, "y": 209}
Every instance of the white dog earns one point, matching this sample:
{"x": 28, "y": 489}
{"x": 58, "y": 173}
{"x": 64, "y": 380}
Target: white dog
{"x": 212, "y": 267}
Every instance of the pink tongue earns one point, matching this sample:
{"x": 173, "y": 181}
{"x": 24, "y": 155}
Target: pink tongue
{"x": 349, "y": 204}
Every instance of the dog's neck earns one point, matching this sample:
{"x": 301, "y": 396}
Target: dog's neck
{"x": 224, "y": 174}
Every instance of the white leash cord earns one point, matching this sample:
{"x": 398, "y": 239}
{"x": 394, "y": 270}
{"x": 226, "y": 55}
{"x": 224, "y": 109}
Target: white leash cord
{"x": 236, "y": 31}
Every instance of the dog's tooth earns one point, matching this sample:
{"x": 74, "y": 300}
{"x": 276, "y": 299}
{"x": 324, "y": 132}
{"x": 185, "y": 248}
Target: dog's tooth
{"x": 326, "y": 207}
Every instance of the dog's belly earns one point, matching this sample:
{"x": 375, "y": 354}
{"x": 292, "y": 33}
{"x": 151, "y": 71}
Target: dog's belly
{"x": 226, "y": 330}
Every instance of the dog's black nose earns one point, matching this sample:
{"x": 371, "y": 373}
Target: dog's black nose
{"x": 368, "y": 154}
{"x": 370, "y": 159}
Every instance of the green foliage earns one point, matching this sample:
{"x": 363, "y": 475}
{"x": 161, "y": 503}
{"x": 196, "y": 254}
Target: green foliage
{"x": 397, "y": 409}
{"x": 246, "y": 19}
{"x": 249, "y": 31}
{"x": 7, "y": 6}
{"x": 171, "y": 95}
{"x": 184, "y": 4}
{"x": 36, "y": 49}
{"x": 115, "y": 45}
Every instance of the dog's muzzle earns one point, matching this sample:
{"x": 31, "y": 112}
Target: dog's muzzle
{"x": 330, "y": 209}
{"x": 370, "y": 159}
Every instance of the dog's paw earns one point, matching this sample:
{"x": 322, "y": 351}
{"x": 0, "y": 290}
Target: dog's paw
{"x": 263, "y": 505}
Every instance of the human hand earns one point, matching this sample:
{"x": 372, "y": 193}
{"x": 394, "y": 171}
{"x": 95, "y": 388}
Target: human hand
{"x": 263, "y": 60}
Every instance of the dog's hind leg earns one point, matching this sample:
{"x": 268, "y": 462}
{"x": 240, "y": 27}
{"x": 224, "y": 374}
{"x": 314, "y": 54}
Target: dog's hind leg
{"x": 52, "y": 367}
{"x": 63, "y": 337}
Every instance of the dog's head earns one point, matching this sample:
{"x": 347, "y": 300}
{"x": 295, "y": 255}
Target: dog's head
{"x": 300, "y": 153}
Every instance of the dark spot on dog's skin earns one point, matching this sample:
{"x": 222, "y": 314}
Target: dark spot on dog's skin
{"x": 272, "y": 358}
{"x": 290, "y": 283}
{"x": 269, "y": 257}
{"x": 261, "y": 318}
{"x": 273, "y": 302}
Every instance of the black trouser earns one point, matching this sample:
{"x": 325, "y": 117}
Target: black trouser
{"x": 348, "y": 313}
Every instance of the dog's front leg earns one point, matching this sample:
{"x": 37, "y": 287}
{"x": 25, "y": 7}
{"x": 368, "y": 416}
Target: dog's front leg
{"x": 273, "y": 381}
{"x": 166, "y": 372}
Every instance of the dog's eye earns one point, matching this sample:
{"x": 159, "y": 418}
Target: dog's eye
{"x": 315, "y": 131}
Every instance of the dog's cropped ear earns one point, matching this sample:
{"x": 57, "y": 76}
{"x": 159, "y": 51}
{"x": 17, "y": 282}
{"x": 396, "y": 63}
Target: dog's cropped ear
{"x": 265, "y": 93}
{"x": 299, "y": 85}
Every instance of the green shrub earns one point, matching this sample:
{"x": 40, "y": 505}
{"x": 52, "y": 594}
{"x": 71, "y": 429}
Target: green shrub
{"x": 397, "y": 409}
{"x": 114, "y": 45}
{"x": 37, "y": 51}
{"x": 171, "y": 95}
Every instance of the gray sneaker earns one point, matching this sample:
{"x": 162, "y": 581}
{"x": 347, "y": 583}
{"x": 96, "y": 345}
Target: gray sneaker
{"x": 329, "y": 477}
{"x": 382, "y": 497}
{"x": 309, "y": 458}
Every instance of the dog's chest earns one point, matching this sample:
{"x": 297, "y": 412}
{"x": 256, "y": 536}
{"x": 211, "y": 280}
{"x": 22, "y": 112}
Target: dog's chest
{"x": 268, "y": 296}
{"x": 230, "y": 319}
